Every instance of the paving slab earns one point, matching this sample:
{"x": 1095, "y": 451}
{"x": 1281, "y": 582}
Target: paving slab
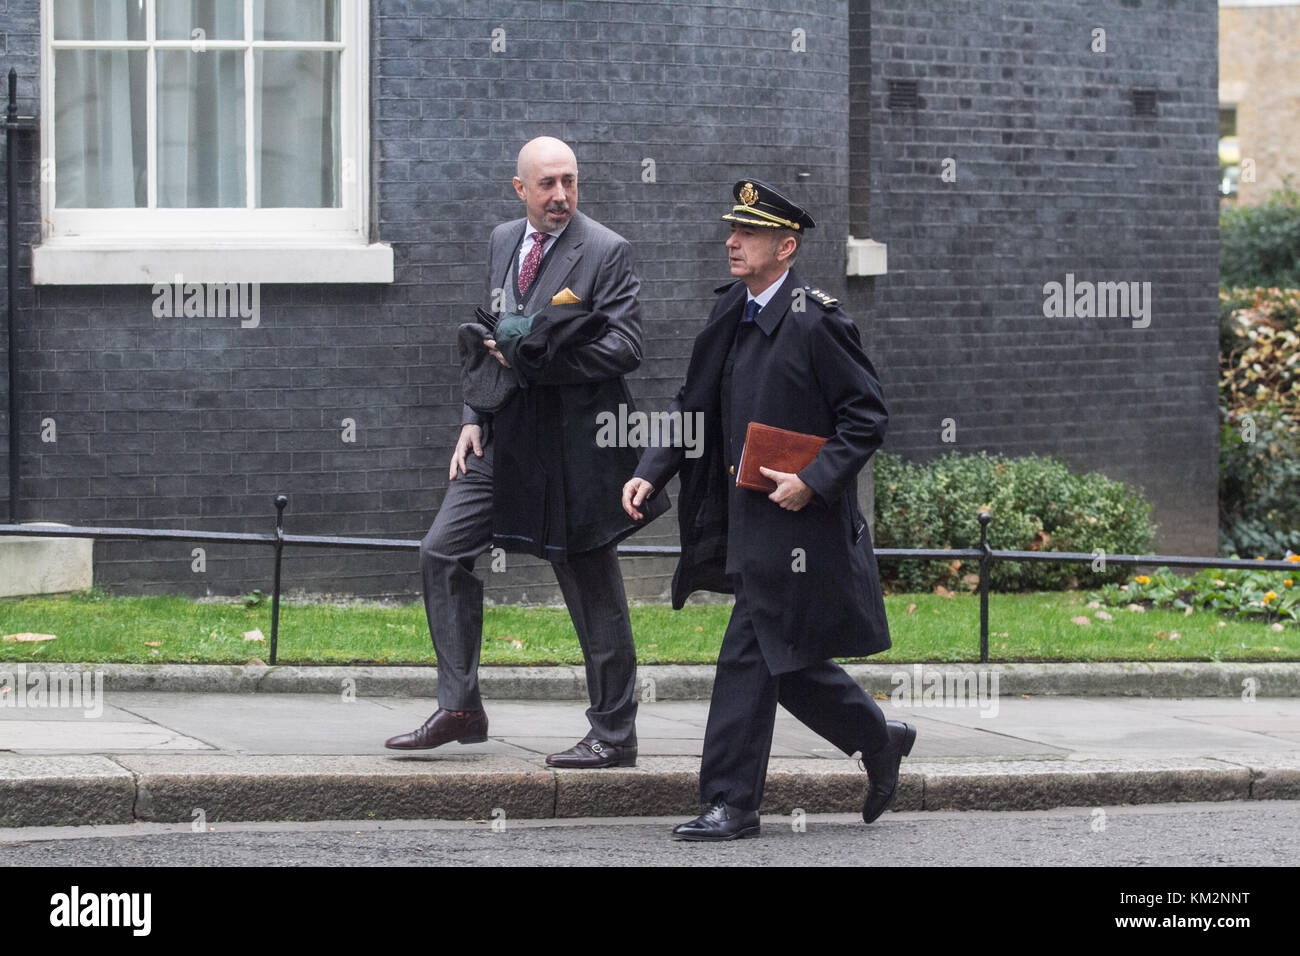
{"x": 695, "y": 681}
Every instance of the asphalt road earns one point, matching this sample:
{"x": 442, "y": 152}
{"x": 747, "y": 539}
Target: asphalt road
{"x": 1241, "y": 833}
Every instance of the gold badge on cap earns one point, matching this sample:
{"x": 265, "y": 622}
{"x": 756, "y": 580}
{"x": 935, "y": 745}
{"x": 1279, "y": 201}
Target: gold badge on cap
{"x": 748, "y": 194}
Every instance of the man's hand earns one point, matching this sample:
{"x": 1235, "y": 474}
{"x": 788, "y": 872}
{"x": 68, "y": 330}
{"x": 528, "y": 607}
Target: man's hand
{"x": 791, "y": 493}
{"x": 635, "y": 492}
{"x": 491, "y": 346}
{"x": 471, "y": 436}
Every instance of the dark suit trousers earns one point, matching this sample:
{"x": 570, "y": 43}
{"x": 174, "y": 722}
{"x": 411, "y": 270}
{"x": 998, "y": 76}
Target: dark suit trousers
{"x": 742, "y": 713}
{"x": 592, "y": 583}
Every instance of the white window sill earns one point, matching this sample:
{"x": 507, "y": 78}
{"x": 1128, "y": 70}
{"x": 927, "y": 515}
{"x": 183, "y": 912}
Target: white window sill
{"x": 80, "y": 261}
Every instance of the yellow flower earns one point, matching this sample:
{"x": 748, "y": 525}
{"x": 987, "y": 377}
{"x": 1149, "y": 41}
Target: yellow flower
{"x": 1293, "y": 557}
{"x": 1288, "y": 582}
{"x": 1142, "y": 579}
{"x": 1270, "y": 596}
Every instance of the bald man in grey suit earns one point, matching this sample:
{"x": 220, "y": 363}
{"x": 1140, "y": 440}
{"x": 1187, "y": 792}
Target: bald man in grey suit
{"x": 553, "y": 251}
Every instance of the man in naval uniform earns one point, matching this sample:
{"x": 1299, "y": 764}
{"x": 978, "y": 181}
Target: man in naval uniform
{"x": 799, "y": 560}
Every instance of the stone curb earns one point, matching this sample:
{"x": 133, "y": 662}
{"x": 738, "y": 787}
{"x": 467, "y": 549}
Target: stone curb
{"x": 695, "y": 681}
{"x": 207, "y": 790}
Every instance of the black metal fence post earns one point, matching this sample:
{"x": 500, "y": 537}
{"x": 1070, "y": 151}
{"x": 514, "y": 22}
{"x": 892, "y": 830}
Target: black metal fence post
{"x": 986, "y": 560}
{"x": 280, "y": 502}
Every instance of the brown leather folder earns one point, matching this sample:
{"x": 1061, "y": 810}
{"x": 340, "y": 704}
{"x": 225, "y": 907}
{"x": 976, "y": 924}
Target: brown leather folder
{"x": 774, "y": 448}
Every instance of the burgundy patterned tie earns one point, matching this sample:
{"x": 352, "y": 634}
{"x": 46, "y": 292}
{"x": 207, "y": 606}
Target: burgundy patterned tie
{"x": 528, "y": 271}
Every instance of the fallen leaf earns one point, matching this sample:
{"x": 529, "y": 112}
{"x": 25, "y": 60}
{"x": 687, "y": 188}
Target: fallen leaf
{"x": 911, "y": 608}
{"x": 1093, "y": 604}
{"x": 698, "y": 630}
{"x": 970, "y": 580}
{"x": 254, "y": 635}
{"x": 942, "y": 591}
{"x": 1041, "y": 540}
{"x": 1187, "y": 611}
{"x": 1081, "y": 621}
{"x": 1137, "y": 608}
{"x": 27, "y": 638}
{"x": 153, "y": 643}
{"x": 255, "y": 662}
{"x": 1276, "y": 626}
{"x": 1103, "y": 616}
{"x": 517, "y": 643}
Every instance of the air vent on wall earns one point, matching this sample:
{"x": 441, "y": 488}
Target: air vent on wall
{"x": 1144, "y": 102}
{"x": 903, "y": 95}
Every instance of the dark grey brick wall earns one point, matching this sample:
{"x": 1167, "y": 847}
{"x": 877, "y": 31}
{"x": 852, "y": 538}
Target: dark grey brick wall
{"x": 1055, "y": 175}
{"x": 198, "y": 423}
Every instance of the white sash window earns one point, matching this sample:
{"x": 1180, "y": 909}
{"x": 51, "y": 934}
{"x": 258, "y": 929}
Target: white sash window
{"x": 224, "y": 140}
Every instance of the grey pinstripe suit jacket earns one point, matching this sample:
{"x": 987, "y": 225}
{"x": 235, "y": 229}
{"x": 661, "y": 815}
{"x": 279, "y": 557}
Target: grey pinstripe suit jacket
{"x": 595, "y": 264}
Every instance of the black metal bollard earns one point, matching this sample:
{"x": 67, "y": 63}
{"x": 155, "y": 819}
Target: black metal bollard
{"x": 986, "y": 560}
{"x": 280, "y": 503}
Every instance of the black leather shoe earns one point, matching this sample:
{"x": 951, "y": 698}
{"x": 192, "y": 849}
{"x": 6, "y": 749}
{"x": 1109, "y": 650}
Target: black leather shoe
{"x": 882, "y": 769}
{"x": 590, "y": 753}
{"x": 466, "y": 726}
{"x": 719, "y": 822}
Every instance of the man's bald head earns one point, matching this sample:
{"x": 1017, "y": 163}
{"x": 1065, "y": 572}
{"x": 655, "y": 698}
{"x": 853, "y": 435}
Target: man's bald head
{"x": 546, "y": 179}
{"x": 543, "y": 150}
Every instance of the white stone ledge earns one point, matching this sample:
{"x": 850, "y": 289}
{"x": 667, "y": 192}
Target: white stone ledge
{"x": 71, "y": 261}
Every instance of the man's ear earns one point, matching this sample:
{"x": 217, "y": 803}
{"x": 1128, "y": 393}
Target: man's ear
{"x": 519, "y": 187}
{"x": 783, "y": 252}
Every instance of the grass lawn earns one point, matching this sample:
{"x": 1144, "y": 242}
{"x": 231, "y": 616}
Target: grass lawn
{"x": 1022, "y": 627}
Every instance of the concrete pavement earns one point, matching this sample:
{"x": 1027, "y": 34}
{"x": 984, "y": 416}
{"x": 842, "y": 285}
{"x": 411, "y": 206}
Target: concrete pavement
{"x": 695, "y": 681}
{"x": 207, "y": 757}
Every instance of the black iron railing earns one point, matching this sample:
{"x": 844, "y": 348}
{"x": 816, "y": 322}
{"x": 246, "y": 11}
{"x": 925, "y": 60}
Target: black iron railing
{"x": 278, "y": 540}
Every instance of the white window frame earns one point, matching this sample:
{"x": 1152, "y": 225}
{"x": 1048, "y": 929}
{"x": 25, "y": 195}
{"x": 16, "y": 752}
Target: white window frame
{"x": 145, "y": 246}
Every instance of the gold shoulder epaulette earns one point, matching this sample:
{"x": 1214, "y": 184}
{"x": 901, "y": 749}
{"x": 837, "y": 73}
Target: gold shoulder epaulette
{"x": 826, "y": 301}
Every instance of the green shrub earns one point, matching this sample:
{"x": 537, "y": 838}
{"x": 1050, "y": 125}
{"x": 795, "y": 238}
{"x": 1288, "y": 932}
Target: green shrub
{"x": 1259, "y": 482}
{"x": 1260, "y": 245}
{"x": 1259, "y": 422}
{"x": 1036, "y": 504}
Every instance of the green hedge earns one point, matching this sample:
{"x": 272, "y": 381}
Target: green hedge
{"x": 1259, "y": 421}
{"x": 1260, "y": 245}
{"x": 1036, "y": 504}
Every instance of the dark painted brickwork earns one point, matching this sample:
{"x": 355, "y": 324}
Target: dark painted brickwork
{"x": 199, "y": 423}
{"x": 1055, "y": 175}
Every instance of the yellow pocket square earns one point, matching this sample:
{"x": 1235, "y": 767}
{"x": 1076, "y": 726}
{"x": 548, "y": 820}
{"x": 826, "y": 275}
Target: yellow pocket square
{"x": 564, "y": 297}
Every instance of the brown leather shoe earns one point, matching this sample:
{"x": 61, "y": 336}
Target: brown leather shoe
{"x": 465, "y": 726}
{"x": 590, "y": 753}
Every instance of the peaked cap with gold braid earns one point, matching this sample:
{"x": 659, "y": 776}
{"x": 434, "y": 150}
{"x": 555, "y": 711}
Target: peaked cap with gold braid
{"x": 758, "y": 204}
